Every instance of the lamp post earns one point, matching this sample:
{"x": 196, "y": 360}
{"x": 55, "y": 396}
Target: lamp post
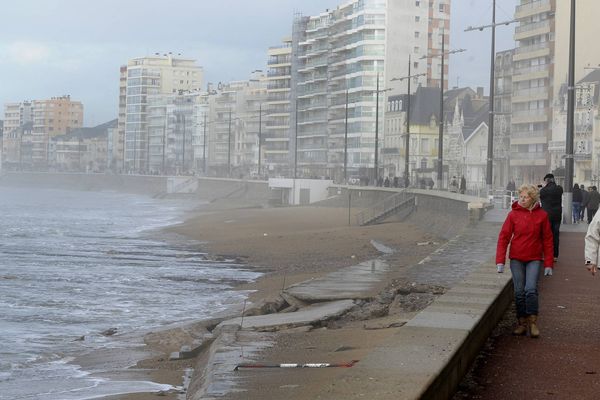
{"x": 346, "y": 141}
{"x": 490, "y": 142}
{"x": 229, "y": 147}
{"x": 442, "y": 54}
{"x": 568, "y": 193}
{"x": 376, "y": 161}
{"x": 407, "y": 145}
{"x": 204, "y": 146}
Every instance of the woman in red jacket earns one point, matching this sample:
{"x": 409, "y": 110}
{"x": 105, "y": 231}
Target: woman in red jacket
{"x": 527, "y": 230}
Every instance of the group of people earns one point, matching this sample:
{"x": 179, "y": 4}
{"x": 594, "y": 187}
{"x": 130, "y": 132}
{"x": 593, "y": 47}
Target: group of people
{"x": 585, "y": 201}
{"x": 454, "y": 187}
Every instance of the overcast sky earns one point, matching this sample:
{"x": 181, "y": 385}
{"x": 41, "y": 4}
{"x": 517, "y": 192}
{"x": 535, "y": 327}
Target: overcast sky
{"x": 54, "y": 47}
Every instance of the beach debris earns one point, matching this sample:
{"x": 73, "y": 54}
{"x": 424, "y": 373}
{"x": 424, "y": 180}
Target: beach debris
{"x": 352, "y": 256}
{"x": 80, "y": 339}
{"x": 429, "y": 242}
{"x": 561, "y": 307}
{"x": 297, "y": 365}
{"x": 265, "y": 234}
{"x": 382, "y": 247}
{"x": 344, "y": 348}
{"x": 109, "y": 332}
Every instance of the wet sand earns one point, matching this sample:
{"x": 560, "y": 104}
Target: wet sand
{"x": 290, "y": 245}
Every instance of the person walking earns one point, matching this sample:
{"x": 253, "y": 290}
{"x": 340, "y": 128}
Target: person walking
{"x": 592, "y": 245}
{"x": 527, "y": 231}
{"x": 577, "y": 199}
{"x": 551, "y": 199}
{"x": 463, "y": 185}
{"x": 585, "y": 197}
{"x": 593, "y": 203}
{"x": 454, "y": 185}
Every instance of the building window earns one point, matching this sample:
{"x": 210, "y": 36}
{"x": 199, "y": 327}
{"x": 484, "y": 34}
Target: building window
{"x": 417, "y": 34}
{"x": 416, "y": 49}
{"x": 441, "y": 8}
{"x": 417, "y": 3}
{"x": 417, "y": 18}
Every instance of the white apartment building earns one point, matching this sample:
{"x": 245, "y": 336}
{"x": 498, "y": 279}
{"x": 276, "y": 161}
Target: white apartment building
{"x": 235, "y": 122}
{"x": 586, "y": 142}
{"x": 143, "y": 77}
{"x": 276, "y": 139}
{"x": 532, "y": 95}
{"x": 344, "y": 51}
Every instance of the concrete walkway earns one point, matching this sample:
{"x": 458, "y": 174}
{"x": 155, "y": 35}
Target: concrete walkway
{"x": 564, "y": 363}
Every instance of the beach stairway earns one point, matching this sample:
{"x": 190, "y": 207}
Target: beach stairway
{"x": 402, "y": 201}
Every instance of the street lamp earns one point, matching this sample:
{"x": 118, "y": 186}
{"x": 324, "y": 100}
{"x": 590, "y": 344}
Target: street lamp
{"x": 570, "y": 119}
{"x": 442, "y": 54}
{"x": 407, "y": 145}
{"x": 376, "y": 163}
{"x": 490, "y": 145}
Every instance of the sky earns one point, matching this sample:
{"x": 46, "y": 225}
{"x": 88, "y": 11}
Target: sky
{"x": 51, "y": 48}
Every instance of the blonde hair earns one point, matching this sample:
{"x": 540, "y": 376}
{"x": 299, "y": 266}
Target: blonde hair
{"x": 531, "y": 190}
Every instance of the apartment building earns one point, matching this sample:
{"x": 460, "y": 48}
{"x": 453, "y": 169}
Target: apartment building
{"x": 587, "y": 61}
{"x": 235, "y": 123}
{"x": 503, "y": 72}
{"x": 140, "y": 78}
{"x": 177, "y": 132}
{"x": 277, "y": 135}
{"x": 532, "y": 95}
{"x": 345, "y": 51}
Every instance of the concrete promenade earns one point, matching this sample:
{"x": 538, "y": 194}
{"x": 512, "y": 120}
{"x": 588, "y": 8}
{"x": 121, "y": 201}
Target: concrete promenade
{"x": 564, "y": 363}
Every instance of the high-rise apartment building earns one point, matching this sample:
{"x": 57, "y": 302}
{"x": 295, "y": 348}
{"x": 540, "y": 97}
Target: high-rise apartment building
{"x": 276, "y": 138}
{"x": 532, "y": 95}
{"x": 587, "y": 61}
{"x": 145, "y": 76}
{"x": 337, "y": 57}
{"x": 235, "y": 121}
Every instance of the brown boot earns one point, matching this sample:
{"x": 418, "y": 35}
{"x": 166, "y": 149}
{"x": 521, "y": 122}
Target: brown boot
{"x": 521, "y": 328}
{"x": 534, "y": 332}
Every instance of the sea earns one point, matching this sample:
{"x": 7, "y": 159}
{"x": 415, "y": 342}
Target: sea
{"x": 74, "y": 264}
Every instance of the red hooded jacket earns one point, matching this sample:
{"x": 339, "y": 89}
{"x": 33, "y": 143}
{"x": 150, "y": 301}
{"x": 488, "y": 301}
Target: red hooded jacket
{"x": 529, "y": 235}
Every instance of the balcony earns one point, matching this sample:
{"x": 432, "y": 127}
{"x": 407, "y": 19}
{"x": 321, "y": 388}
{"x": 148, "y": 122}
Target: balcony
{"x": 532, "y": 29}
{"x": 530, "y": 116}
{"x": 532, "y": 8}
{"x": 527, "y": 159}
{"x": 539, "y": 93}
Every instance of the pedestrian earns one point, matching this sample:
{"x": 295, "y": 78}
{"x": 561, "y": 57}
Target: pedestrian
{"x": 585, "y": 197}
{"x": 386, "y": 182}
{"x": 592, "y": 203}
{"x": 577, "y": 199}
{"x": 463, "y": 185}
{"x": 592, "y": 245}
{"x": 454, "y": 185}
{"x": 510, "y": 188}
{"x": 527, "y": 231}
{"x": 551, "y": 198}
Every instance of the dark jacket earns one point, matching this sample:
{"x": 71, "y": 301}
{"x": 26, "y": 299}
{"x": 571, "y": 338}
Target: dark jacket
{"x": 551, "y": 199}
{"x": 585, "y": 197}
{"x": 594, "y": 200}
{"x": 577, "y": 195}
{"x": 529, "y": 235}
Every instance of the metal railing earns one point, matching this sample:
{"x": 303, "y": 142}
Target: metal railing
{"x": 384, "y": 207}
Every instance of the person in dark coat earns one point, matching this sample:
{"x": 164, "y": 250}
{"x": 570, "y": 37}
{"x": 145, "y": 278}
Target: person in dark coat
{"x": 585, "y": 197}
{"x": 593, "y": 203}
{"x": 551, "y": 199}
{"x": 463, "y": 185}
{"x": 577, "y": 199}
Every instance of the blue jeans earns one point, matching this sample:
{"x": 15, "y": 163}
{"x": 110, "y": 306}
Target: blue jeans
{"x": 576, "y": 211}
{"x": 525, "y": 277}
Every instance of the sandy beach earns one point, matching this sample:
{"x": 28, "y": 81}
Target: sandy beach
{"x": 289, "y": 245}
